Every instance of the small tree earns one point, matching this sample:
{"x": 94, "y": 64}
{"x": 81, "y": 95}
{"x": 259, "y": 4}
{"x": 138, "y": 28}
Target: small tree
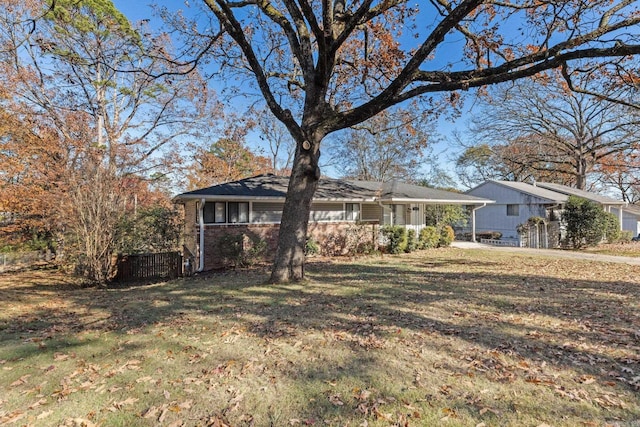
{"x": 440, "y": 215}
{"x": 585, "y": 221}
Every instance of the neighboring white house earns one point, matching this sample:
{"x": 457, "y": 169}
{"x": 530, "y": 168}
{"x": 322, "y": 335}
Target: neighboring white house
{"x": 253, "y": 207}
{"x": 516, "y": 202}
{"x": 628, "y": 215}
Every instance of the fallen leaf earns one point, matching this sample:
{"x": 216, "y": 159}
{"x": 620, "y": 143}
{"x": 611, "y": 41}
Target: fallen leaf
{"x": 44, "y": 415}
{"x": 151, "y": 412}
{"x": 335, "y": 399}
{"x": 40, "y": 402}
{"x": 126, "y": 402}
{"x": 20, "y": 381}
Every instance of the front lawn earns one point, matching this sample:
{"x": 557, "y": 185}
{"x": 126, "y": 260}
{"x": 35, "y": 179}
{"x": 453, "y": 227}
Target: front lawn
{"x": 440, "y": 337}
{"x": 630, "y": 249}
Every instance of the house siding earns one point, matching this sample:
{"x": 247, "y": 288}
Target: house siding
{"x": 266, "y": 212}
{"x": 371, "y": 212}
{"x": 494, "y": 217}
{"x": 327, "y": 212}
{"x": 630, "y": 222}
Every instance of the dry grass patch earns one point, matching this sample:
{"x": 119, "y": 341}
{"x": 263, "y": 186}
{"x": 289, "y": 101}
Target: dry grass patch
{"x": 441, "y": 337}
{"x": 630, "y": 249}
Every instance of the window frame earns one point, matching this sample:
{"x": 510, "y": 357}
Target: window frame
{"x": 239, "y": 212}
{"x": 513, "y": 209}
{"x": 349, "y": 211}
{"x": 219, "y": 213}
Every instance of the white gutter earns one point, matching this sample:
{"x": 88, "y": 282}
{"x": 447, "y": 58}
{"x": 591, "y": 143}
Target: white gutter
{"x": 473, "y": 221}
{"x": 435, "y": 201}
{"x": 201, "y": 224}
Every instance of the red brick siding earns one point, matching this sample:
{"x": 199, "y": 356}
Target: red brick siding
{"x": 331, "y": 236}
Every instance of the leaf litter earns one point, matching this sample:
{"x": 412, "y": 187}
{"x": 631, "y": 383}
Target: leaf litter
{"x": 443, "y": 336}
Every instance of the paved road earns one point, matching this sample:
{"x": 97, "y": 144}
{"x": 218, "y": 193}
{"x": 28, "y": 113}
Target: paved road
{"x": 557, "y": 253}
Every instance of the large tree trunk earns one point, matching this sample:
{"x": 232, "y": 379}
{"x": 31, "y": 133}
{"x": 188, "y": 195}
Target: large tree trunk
{"x": 289, "y": 261}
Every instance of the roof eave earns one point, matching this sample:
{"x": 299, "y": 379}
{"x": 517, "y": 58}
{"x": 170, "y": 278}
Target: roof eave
{"x": 434, "y": 201}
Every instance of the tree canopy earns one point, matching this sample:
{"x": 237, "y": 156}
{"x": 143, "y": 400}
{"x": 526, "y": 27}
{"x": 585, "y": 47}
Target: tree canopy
{"x": 541, "y": 130}
{"x": 94, "y": 128}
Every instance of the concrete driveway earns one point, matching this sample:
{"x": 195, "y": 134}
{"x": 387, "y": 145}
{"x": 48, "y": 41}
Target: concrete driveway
{"x": 556, "y": 253}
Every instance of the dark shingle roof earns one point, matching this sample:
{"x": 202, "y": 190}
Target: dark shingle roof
{"x": 275, "y": 187}
{"x": 272, "y": 186}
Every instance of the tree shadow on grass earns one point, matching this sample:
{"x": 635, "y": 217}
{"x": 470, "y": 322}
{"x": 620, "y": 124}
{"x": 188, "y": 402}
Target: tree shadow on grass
{"x": 585, "y": 326}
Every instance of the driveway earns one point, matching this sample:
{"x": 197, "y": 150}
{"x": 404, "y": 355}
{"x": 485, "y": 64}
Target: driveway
{"x": 556, "y": 253}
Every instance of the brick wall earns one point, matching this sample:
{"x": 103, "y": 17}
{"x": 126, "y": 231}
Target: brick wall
{"x": 333, "y": 238}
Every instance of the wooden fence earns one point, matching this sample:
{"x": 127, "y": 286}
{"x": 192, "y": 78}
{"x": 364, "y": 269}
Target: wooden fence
{"x": 166, "y": 265}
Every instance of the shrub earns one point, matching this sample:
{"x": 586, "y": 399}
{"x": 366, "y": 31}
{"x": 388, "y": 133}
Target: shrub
{"x": 492, "y": 235}
{"x": 311, "y": 247}
{"x": 586, "y": 222}
{"x": 612, "y": 230}
{"x": 255, "y": 252}
{"x": 411, "y": 241}
{"x": 446, "y": 236}
{"x": 358, "y": 239}
{"x": 229, "y": 247}
{"x": 428, "y": 237}
{"x": 239, "y": 250}
{"x": 396, "y": 237}
{"x": 625, "y": 236}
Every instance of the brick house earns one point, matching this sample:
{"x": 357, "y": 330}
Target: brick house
{"x": 252, "y": 208}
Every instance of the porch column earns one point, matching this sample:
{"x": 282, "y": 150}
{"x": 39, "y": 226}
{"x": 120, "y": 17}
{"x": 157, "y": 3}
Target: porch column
{"x": 620, "y": 217}
{"x": 473, "y": 224}
{"x": 473, "y": 221}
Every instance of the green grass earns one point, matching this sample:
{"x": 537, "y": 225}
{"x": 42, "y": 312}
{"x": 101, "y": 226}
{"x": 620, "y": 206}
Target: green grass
{"x": 438, "y": 337}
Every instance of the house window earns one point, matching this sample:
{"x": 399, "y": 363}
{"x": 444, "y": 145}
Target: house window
{"x": 393, "y": 215}
{"x": 352, "y": 211}
{"x": 513, "y": 210}
{"x": 209, "y": 213}
{"x": 238, "y": 212}
{"x": 222, "y": 212}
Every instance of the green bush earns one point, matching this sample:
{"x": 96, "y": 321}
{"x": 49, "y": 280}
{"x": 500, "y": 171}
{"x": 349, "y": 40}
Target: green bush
{"x": 229, "y": 247}
{"x": 255, "y": 252}
{"x": 412, "y": 243}
{"x": 625, "y": 236}
{"x": 311, "y": 247}
{"x": 612, "y": 230}
{"x": 428, "y": 237}
{"x": 437, "y": 215}
{"x": 396, "y": 237}
{"x": 239, "y": 250}
{"x": 446, "y": 236}
{"x": 585, "y": 221}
